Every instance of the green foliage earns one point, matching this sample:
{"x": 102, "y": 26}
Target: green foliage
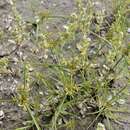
{"x": 68, "y": 75}
{"x": 3, "y": 65}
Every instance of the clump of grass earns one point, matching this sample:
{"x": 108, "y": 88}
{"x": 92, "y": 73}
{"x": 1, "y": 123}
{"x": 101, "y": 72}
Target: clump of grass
{"x": 76, "y": 78}
{"x": 3, "y": 65}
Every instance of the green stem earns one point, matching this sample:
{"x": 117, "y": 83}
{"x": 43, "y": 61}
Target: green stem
{"x": 33, "y": 118}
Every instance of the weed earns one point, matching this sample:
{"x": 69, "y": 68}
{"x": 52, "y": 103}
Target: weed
{"x": 76, "y": 70}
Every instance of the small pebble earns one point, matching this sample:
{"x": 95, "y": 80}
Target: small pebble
{"x": 66, "y": 27}
{"x": 31, "y": 69}
{"x": 10, "y": 2}
{"x": 47, "y": 27}
{"x": 11, "y": 41}
{"x": 1, "y": 114}
{"x": 42, "y": 2}
{"x": 54, "y": 4}
{"x": 15, "y": 59}
{"x": 89, "y": 39}
{"x": 45, "y": 56}
{"x": 80, "y": 106}
{"x": 41, "y": 93}
{"x": 100, "y": 126}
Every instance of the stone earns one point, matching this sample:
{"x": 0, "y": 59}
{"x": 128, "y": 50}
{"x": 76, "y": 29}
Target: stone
{"x": 2, "y": 115}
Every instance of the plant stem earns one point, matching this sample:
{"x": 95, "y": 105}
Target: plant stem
{"x": 33, "y": 118}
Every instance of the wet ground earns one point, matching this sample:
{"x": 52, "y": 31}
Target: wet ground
{"x": 13, "y": 115}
